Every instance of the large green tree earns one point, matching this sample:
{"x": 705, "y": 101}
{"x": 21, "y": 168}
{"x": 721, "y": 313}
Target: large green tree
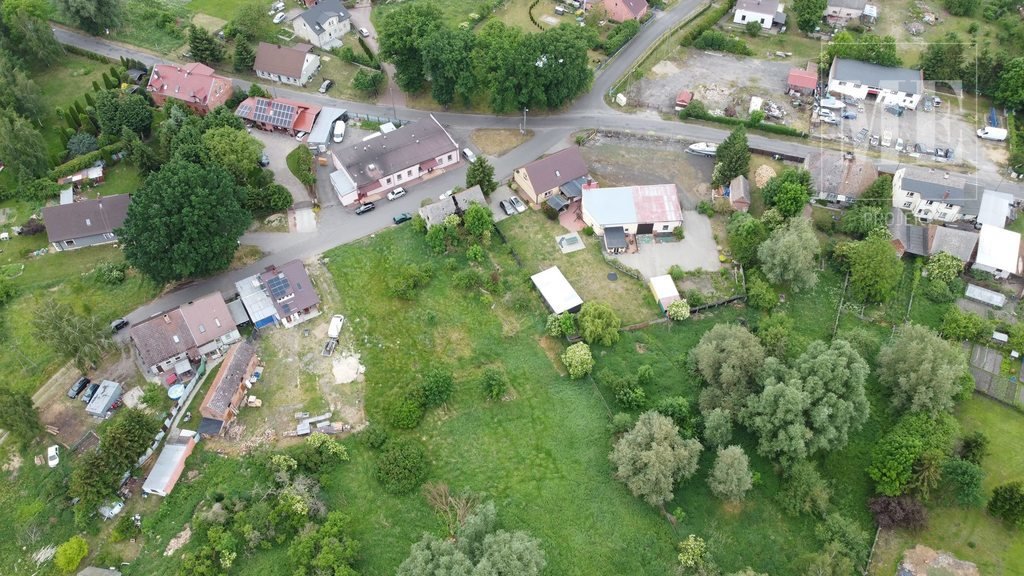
{"x": 922, "y": 371}
{"x": 746, "y": 233}
{"x": 1011, "y": 86}
{"x": 811, "y": 407}
{"x": 17, "y": 91}
{"x": 481, "y": 173}
{"x": 730, "y": 476}
{"x": 184, "y": 222}
{"x": 809, "y": 14}
{"x": 864, "y": 47}
{"x": 28, "y": 32}
{"x": 651, "y": 458}
{"x": 93, "y": 16}
{"x": 786, "y": 180}
{"x": 732, "y": 157}
{"x": 447, "y": 60}
{"x": 327, "y": 550}
{"x": 22, "y": 146}
{"x": 875, "y": 268}
{"x": 19, "y": 417}
{"x": 943, "y": 61}
{"x": 728, "y": 359}
{"x": 789, "y": 255}
{"x": 81, "y": 338}
{"x": 204, "y": 47}
{"x": 116, "y": 111}
{"x": 244, "y": 56}
{"x": 401, "y": 33}
{"x": 236, "y": 151}
{"x": 598, "y": 323}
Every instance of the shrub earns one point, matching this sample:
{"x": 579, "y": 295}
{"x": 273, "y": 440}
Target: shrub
{"x": 965, "y": 479}
{"x": 404, "y": 282}
{"x": 548, "y": 211}
{"x": 676, "y": 272}
{"x": 944, "y": 266}
{"x": 70, "y": 554}
{"x": 494, "y": 383}
{"x": 437, "y": 387}
{"x": 678, "y": 310}
{"x": 475, "y": 253}
{"x": 618, "y": 37}
{"x": 468, "y": 279}
{"x": 401, "y": 467}
{"x": 598, "y": 323}
{"x": 901, "y": 512}
{"x": 753, "y": 29}
{"x": 629, "y": 394}
{"x": 974, "y": 447}
{"x": 804, "y": 491}
{"x": 715, "y": 40}
{"x": 760, "y": 294}
{"x": 938, "y": 291}
{"x": 718, "y": 427}
{"x": 578, "y": 360}
{"x": 111, "y": 273}
{"x": 407, "y": 413}
{"x": 678, "y": 232}
{"x": 1007, "y": 503}
{"x": 678, "y": 409}
{"x": 374, "y": 437}
{"x": 706, "y": 208}
{"x": 622, "y": 422}
{"x": 559, "y": 325}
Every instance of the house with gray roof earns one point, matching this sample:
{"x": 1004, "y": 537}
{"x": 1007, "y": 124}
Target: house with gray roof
{"x": 323, "y": 24}
{"x": 294, "y": 65}
{"x": 865, "y": 81}
{"x": 292, "y": 293}
{"x": 837, "y": 177}
{"x": 936, "y": 195}
{"x": 927, "y": 240}
{"x": 367, "y": 170}
{"x": 85, "y": 223}
{"x": 170, "y": 464}
{"x": 435, "y": 213}
{"x": 841, "y": 12}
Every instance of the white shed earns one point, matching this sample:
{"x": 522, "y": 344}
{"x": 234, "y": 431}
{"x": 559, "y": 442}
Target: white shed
{"x": 664, "y": 289}
{"x": 556, "y": 290}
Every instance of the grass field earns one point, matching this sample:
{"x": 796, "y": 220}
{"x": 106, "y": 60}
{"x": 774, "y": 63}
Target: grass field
{"x": 120, "y": 178}
{"x": 224, "y": 9}
{"x": 970, "y": 533}
{"x": 453, "y": 12}
{"x": 61, "y": 84}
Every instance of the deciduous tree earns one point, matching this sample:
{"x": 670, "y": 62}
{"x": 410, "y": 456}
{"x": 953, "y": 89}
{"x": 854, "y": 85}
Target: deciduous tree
{"x": 81, "y": 338}
{"x": 875, "y": 267}
{"x": 774, "y": 187}
{"x": 17, "y": 91}
{"x": 598, "y": 323}
{"x": 961, "y": 7}
{"x": 1011, "y": 86}
{"x": 788, "y": 255}
{"x": 236, "y": 151}
{"x": 944, "y": 266}
{"x": 401, "y": 32}
{"x": 326, "y": 550}
{"x": 70, "y": 554}
{"x": 898, "y": 512}
{"x": 29, "y": 33}
{"x": 19, "y": 416}
{"x": 368, "y": 82}
{"x": 922, "y": 371}
{"x": 728, "y": 359}
{"x": 651, "y": 458}
{"x": 22, "y": 146}
{"x": 965, "y": 479}
{"x": 184, "y": 222}
{"x": 791, "y": 199}
{"x": 93, "y": 16}
{"x": 447, "y": 61}
{"x": 809, "y": 14}
{"x": 730, "y": 476}
{"x": 804, "y": 491}
{"x": 717, "y": 427}
{"x": 746, "y": 234}
{"x": 864, "y": 47}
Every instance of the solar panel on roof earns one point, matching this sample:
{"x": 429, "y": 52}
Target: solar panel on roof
{"x": 243, "y": 110}
{"x": 279, "y": 287}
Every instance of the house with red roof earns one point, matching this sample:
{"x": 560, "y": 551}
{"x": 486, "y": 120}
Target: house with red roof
{"x": 624, "y": 211}
{"x": 194, "y": 85}
{"x": 271, "y": 114}
{"x": 803, "y": 80}
{"x": 622, "y": 10}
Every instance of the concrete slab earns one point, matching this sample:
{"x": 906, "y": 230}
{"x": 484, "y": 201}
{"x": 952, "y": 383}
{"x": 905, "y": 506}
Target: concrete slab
{"x": 305, "y": 219}
{"x": 568, "y": 243}
{"x": 696, "y": 250}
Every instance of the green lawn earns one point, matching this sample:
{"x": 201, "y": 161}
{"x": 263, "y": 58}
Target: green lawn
{"x": 225, "y": 9}
{"x": 971, "y": 534}
{"x": 61, "y": 84}
{"x": 453, "y": 12}
{"x": 120, "y": 178}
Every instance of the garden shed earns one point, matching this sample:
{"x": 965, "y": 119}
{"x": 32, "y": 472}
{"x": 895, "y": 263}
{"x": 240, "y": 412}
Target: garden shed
{"x": 664, "y": 290}
{"x": 558, "y": 294}
{"x": 106, "y": 395}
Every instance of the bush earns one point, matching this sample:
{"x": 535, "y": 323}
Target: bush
{"x": 401, "y": 467}
{"x": 678, "y": 409}
{"x": 753, "y": 29}
{"x": 1007, "y": 503}
{"x": 374, "y": 437}
{"x": 560, "y": 325}
{"x": 494, "y": 383}
{"x": 598, "y": 323}
{"x": 804, "y": 491}
{"x": 715, "y": 40}
{"x": 629, "y": 394}
{"x": 901, "y": 512}
{"x": 705, "y": 22}
{"x": 618, "y": 37}
{"x": 548, "y": 211}
{"x": 760, "y": 294}
{"x": 81, "y": 143}
{"x": 706, "y": 208}
{"x": 404, "y": 282}
{"x": 678, "y": 233}
{"x": 407, "y": 413}
{"x": 70, "y": 554}
{"x": 578, "y": 360}
{"x": 974, "y": 447}
{"x": 111, "y": 273}
{"x": 437, "y": 387}
{"x": 965, "y": 479}
{"x": 676, "y": 272}
{"x": 938, "y": 291}
{"x": 621, "y": 423}
{"x": 678, "y": 310}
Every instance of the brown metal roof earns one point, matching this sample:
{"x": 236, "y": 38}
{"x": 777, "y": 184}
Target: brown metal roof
{"x": 389, "y": 153}
{"x": 85, "y": 218}
{"x": 557, "y": 169}
{"x": 282, "y": 60}
{"x": 207, "y": 318}
{"x": 162, "y": 337}
{"x": 229, "y": 378}
{"x": 289, "y": 288}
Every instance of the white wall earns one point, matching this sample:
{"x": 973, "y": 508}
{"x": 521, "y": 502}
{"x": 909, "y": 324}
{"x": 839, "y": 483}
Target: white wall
{"x": 328, "y": 38}
{"x": 932, "y": 210}
{"x": 743, "y": 16}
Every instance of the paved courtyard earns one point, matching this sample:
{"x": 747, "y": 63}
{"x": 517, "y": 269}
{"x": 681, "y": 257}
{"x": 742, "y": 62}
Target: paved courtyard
{"x": 277, "y": 145}
{"x": 696, "y": 250}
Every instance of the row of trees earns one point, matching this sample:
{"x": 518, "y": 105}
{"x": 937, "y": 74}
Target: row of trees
{"x": 513, "y": 69}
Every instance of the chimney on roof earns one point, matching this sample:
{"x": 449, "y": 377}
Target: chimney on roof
{"x": 167, "y": 319}
{"x": 558, "y": 173}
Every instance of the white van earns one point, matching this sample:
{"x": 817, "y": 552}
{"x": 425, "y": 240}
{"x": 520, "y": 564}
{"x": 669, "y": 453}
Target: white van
{"x": 990, "y": 133}
{"x": 339, "y": 131}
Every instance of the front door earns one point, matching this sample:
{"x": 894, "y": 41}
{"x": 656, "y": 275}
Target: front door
{"x": 645, "y": 228}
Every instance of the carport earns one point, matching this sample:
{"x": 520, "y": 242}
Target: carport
{"x": 320, "y": 134}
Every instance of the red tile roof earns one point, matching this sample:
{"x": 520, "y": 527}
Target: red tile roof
{"x": 194, "y": 83}
{"x": 802, "y": 78}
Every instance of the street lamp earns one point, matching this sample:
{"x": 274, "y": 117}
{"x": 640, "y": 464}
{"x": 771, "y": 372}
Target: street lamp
{"x": 522, "y": 127}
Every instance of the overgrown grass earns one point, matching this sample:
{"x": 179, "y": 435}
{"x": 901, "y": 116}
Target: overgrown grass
{"x": 63, "y": 82}
{"x": 970, "y": 533}
{"x": 225, "y": 9}
{"x": 453, "y": 12}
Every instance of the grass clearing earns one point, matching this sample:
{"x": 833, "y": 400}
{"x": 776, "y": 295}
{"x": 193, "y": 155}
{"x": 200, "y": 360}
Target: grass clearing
{"x": 970, "y": 533}
{"x": 224, "y": 9}
{"x": 516, "y": 13}
{"x": 121, "y": 178}
{"x": 532, "y": 236}
{"x": 498, "y": 141}
{"x": 65, "y": 81}
{"x": 453, "y": 12}
{"x": 245, "y": 255}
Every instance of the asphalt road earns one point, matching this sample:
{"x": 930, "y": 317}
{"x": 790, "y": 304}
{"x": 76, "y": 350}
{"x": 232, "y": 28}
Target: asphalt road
{"x": 339, "y": 225}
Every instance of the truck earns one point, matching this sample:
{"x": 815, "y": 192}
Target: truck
{"x": 990, "y": 133}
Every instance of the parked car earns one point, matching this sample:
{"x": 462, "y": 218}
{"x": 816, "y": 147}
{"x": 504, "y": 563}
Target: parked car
{"x": 937, "y": 101}
{"x": 396, "y": 193}
{"x": 77, "y": 387}
{"x": 850, "y": 115}
{"x": 364, "y": 32}
{"x": 506, "y": 205}
{"x": 861, "y": 135}
{"x": 339, "y": 131}
{"x": 300, "y": 136}
{"x": 403, "y": 217}
{"x": 364, "y": 208}
{"x": 922, "y": 149}
{"x": 873, "y": 141}
{"x": 118, "y": 325}
{"x": 830, "y": 120}
{"x": 895, "y": 110}
{"x": 517, "y": 204}
{"x": 927, "y": 105}
{"x": 108, "y": 511}
{"x": 87, "y": 397}
{"x": 887, "y": 139}
{"x": 280, "y": 18}
{"x": 447, "y": 194}
{"x": 469, "y": 155}
{"x": 53, "y": 456}
{"x": 264, "y": 160}
{"x": 900, "y": 146}
{"x": 325, "y": 86}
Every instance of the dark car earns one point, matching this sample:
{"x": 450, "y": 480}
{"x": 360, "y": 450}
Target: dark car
{"x": 364, "y": 208}
{"x": 264, "y": 160}
{"x": 922, "y": 149}
{"x": 90, "y": 393}
{"x": 118, "y": 325}
{"x": 895, "y": 110}
{"x": 507, "y": 207}
{"x": 403, "y": 217}
{"x": 77, "y": 387}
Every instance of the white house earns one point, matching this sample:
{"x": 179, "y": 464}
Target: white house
{"x": 864, "y": 81}
{"x": 998, "y": 251}
{"x": 323, "y": 24}
{"x": 294, "y": 65}
{"x": 934, "y": 195}
{"x": 764, "y": 12}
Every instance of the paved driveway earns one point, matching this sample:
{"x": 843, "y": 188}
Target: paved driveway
{"x": 277, "y": 146}
{"x": 696, "y": 250}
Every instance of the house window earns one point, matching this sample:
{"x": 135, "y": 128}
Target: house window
{"x": 664, "y": 228}
{"x": 907, "y": 204}
{"x": 449, "y": 157}
{"x": 743, "y": 18}
{"x": 387, "y": 180}
{"x": 69, "y": 242}
{"x": 409, "y": 173}
{"x": 842, "y": 83}
{"x": 929, "y": 203}
{"x": 943, "y": 215}
{"x": 202, "y": 329}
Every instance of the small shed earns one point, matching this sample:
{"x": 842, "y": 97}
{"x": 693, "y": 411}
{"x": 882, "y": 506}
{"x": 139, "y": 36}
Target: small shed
{"x": 738, "y": 192}
{"x": 683, "y": 99}
{"x": 559, "y": 295}
{"x": 985, "y": 296}
{"x": 170, "y": 464}
{"x": 664, "y": 290}
{"x": 108, "y": 393}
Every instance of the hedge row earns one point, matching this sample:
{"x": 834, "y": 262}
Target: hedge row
{"x": 698, "y": 112}
{"x": 532, "y": 19}
{"x": 85, "y": 161}
{"x": 705, "y": 22}
{"x": 88, "y": 54}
